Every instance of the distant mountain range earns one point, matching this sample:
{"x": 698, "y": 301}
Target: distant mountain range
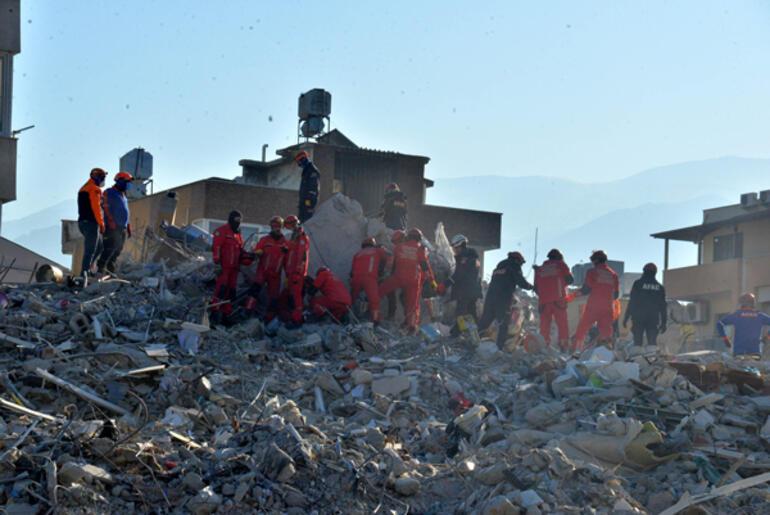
{"x": 618, "y": 215}
{"x": 576, "y": 217}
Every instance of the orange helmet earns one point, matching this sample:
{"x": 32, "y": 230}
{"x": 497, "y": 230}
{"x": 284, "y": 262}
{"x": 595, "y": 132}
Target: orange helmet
{"x": 291, "y": 222}
{"x": 301, "y": 156}
{"x": 397, "y": 236}
{"x": 276, "y": 221}
{"x": 123, "y": 176}
{"x": 368, "y": 242}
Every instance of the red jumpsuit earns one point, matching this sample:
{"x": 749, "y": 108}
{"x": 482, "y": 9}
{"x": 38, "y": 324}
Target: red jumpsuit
{"x": 227, "y": 252}
{"x": 604, "y": 285}
{"x": 364, "y": 274}
{"x": 334, "y": 296}
{"x": 551, "y": 280}
{"x": 295, "y": 268}
{"x": 271, "y": 251}
{"x": 410, "y": 260}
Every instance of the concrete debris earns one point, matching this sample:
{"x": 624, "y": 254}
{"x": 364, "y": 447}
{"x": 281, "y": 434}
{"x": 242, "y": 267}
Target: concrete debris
{"x": 149, "y": 410}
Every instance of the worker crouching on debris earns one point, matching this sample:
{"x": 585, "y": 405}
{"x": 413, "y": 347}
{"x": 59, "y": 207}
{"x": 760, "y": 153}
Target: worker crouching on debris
{"x": 117, "y": 227}
{"x": 748, "y": 324}
{"x": 366, "y": 270}
{"x": 498, "y": 303}
{"x": 394, "y": 208}
{"x": 295, "y": 268}
{"x": 91, "y": 218}
{"x": 309, "y": 186}
{"x": 602, "y": 287}
{"x": 410, "y": 262}
{"x": 647, "y": 307}
{"x": 333, "y": 297}
{"x": 551, "y": 281}
{"x": 228, "y": 254}
{"x": 271, "y": 251}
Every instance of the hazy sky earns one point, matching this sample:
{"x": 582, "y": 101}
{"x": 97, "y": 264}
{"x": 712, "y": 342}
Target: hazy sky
{"x": 586, "y": 90}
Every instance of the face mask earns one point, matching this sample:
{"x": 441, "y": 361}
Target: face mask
{"x": 99, "y": 181}
{"x": 235, "y": 223}
{"x": 121, "y": 185}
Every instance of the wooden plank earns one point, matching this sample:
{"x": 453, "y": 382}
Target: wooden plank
{"x": 686, "y": 501}
{"x": 83, "y": 394}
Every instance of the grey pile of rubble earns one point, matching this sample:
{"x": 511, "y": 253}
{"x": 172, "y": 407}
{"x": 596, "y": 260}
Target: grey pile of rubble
{"x": 119, "y": 398}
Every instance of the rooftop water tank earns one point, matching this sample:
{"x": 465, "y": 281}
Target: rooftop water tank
{"x": 137, "y": 162}
{"x": 315, "y": 103}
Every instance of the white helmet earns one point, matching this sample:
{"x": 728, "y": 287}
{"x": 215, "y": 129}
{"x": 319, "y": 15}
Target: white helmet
{"x": 458, "y": 239}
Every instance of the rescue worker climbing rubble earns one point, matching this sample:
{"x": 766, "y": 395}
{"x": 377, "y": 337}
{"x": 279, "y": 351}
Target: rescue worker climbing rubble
{"x": 748, "y": 324}
{"x": 410, "y": 262}
{"x": 602, "y": 287}
{"x": 646, "y": 307}
{"x": 466, "y": 279}
{"x": 91, "y": 218}
{"x": 368, "y": 266}
{"x": 271, "y": 251}
{"x": 295, "y": 268}
{"x": 551, "y": 281}
{"x": 117, "y": 226}
{"x": 394, "y": 208}
{"x": 498, "y": 303}
{"x": 309, "y": 186}
{"x": 228, "y": 254}
{"x": 333, "y": 297}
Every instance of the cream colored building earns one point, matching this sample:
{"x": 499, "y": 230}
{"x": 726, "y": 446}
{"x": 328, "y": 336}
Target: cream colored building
{"x": 733, "y": 258}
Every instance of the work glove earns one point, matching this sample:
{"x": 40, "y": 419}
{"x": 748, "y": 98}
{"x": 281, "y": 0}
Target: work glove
{"x": 101, "y": 228}
{"x": 727, "y": 341}
{"x": 128, "y": 230}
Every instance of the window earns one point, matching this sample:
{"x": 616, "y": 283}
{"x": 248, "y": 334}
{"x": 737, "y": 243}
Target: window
{"x": 728, "y": 246}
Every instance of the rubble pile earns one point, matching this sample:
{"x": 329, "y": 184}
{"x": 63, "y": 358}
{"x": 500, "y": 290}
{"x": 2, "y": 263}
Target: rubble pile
{"x": 118, "y": 397}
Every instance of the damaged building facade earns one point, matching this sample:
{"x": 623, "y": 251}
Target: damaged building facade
{"x": 733, "y": 257}
{"x": 266, "y": 188}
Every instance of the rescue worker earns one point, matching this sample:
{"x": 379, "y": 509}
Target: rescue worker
{"x": 498, "y": 304}
{"x": 394, "y": 209}
{"x": 117, "y": 215}
{"x": 602, "y": 287}
{"x": 91, "y": 218}
{"x": 271, "y": 251}
{"x": 228, "y": 254}
{"x": 295, "y": 268}
{"x": 748, "y": 324}
{"x": 309, "y": 186}
{"x": 466, "y": 280}
{"x": 551, "y": 281}
{"x": 410, "y": 262}
{"x": 395, "y": 238}
{"x": 334, "y": 298}
{"x": 368, "y": 266}
{"x": 646, "y": 307}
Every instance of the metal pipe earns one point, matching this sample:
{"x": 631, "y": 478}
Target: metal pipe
{"x": 264, "y": 152}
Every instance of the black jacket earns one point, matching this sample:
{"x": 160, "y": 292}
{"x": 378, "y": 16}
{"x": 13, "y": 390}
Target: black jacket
{"x": 394, "y": 210}
{"x": 506, "y": 277}
{"x": 467, "y": 276}
{"x": 309, "y": 188}
{"x": 648, "y": 301}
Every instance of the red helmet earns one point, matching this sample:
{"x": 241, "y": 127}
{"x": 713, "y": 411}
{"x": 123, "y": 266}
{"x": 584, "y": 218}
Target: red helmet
{"x": 276, "y": 221}
{"x": 516, "y": 256}
{"x": 598, "y": 256}
{"x": 291, "y": 222}
{"x": 392, "y": 187}
{"x": 414, "y": 234}
{"x": 397, "y": 236}
{"x": 302, "y": 155}
{"x": 650, "y": 268}
{"x": 123, "y": 176}
{"x": 98, "y": 172}
{"x": 368, "y": 242}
